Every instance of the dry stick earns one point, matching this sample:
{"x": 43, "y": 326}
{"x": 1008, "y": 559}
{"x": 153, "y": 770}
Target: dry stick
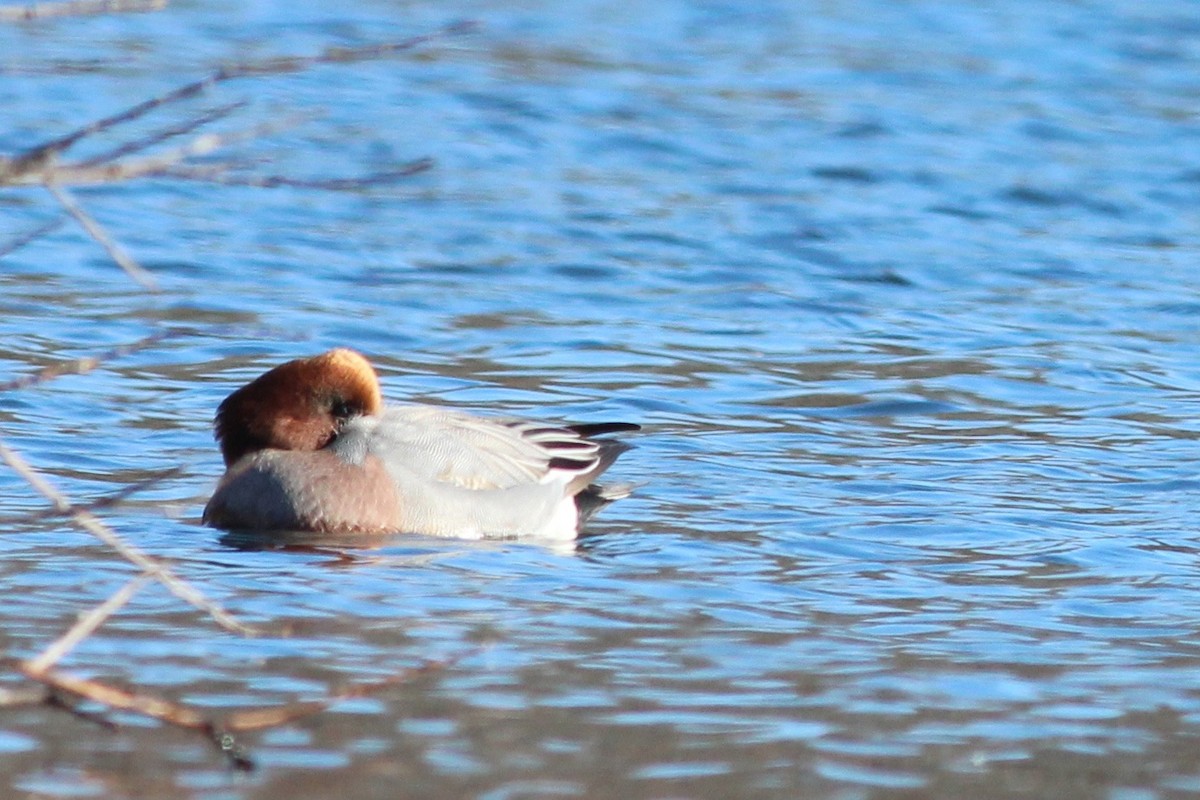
{"x": 216, "y": 174}
{"x": 78, "y": 8}
{"x": 93, "y": 619}
{"x": 38, "y": 157}
{"x": 114, "y": 697}
{"x": 31, "y": 236}
{"x": 155, "y": 707}
{"x": 138, "y": 145}
{"x": 108, "y": 501}
{"x": 52, "y": 177}
{"x": 84, "y": 627}
{"x": 56, "y": 700}
{"x": 259, "y": 718}
{"x": 82, "y": 366}
{"x": 94, "y": 526}
{"x": 115, "y": 251}
{"x": 50, "y": 172}
{"x": 23, "y": 697}
{"x": 46, "y": 696}
{"x": 218, "y": 731}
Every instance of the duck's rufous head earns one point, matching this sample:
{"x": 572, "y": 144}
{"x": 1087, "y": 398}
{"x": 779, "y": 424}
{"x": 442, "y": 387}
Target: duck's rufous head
{"x": 300, "y": 405}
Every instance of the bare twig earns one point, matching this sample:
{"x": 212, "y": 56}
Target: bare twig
{"x": 82, "y": 366}
{"x": 182, "y": 129}
{"x": 218, "y": 174}
{"x": 259, "y": 718}
{"x": 85, "y": 626}
{"x": 40, "y": 156}
{"x": 56, "y": 700}
{"x": 31, "y": 236}
{"x": 100, "y": 504}
{"x": 94, "y": 229}
{"x": 94, "y": 526}
{"x": 26, "y": 696}
{"x": 78, "y": 8}
{"x": 229, "y": 747}
{"x": 73, "y": 174}
{"x": 53, "y": 173}
{"x": 216, "y": 730}
{"x": 52, "y": 176}
{"x": 42, "y": 165}
{"x": 44, "y": 695}
{"x": 115, "y": 697}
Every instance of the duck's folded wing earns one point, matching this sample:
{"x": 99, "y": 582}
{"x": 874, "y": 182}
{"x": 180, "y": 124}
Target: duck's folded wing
{"x": 489, "y": 453}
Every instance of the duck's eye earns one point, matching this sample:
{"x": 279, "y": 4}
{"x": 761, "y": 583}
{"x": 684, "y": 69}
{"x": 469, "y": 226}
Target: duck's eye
{"x": 342, "y": 410}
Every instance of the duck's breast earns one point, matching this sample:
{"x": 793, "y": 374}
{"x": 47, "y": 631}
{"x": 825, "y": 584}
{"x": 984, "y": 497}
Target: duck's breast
{"x": 314, "y": 491}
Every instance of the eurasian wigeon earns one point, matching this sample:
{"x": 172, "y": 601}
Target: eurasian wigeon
{"x": 310, "y": 446}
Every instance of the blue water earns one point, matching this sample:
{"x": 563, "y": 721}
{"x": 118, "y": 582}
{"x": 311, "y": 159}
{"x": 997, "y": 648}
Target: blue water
{"x": 904, "y": 294}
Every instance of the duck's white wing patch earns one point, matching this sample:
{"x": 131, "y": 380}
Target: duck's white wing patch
{"x": 473, "y": 452}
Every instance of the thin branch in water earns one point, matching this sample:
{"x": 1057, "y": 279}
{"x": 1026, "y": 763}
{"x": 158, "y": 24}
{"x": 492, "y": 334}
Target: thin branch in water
{"x": 78, "y": 8}
{"x": 228, "y": 746}
{"x": 23, "y": 697}
{"x": 45, "y": 696}
{"x": 31, "y": 236}
{"x": 57, "y": 683}
{"x": 219, "y": 732}
{"x": 93, "y": 228}
{"x": 82, "y": 366}
{"x": 85, "y": 626}
{"x": 281, "y": 65}
{"x": 40, "y": 156}
{"x": 56, "y": 700}
{"x": 182, "y": 129}
{"x": 218, "y": 174}
{"x": 111, "y": 173}
{"x": 108, "y": 501}
{"x": 89, "y": 522}
{"x": 72, "y": 174}
{"x": 57, "y": 67}
{"x": 115, "y": 697}
{"x": 259, "y": 718}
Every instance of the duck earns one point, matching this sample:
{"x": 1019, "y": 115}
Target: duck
{"x": 310, "y": 446}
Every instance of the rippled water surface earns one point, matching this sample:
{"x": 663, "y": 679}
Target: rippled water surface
{"x": 906, "y": 295}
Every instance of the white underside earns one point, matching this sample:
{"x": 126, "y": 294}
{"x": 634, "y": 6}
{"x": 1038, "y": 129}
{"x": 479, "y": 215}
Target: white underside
{"x": 563, "y": 524}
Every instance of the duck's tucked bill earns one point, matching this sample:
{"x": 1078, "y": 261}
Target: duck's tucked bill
{"x": 310, "y": 446}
